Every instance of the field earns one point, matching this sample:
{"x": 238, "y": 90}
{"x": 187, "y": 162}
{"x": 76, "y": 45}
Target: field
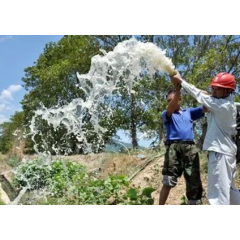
{"x": 142, "y": 168}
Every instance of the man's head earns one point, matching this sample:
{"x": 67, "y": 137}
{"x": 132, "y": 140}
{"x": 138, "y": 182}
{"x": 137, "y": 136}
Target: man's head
{"x": 223, "y": 84}
{"x": 170, "y": 95}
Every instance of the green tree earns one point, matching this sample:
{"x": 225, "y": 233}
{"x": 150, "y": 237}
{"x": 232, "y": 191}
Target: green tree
{"x": 52, "y": 80}
{"x": 11, "y": 132}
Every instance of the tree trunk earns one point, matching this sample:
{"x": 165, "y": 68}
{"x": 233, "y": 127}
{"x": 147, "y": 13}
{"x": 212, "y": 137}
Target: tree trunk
{"x": 133, "y": 126}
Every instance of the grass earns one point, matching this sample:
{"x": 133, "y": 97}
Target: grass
{"x": 203, "y": 162}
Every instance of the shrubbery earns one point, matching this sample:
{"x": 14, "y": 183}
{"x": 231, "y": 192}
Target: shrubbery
{"x": 65, "y": 182}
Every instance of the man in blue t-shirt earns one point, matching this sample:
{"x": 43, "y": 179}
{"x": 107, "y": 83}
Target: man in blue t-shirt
{"x": 181, "y": 153}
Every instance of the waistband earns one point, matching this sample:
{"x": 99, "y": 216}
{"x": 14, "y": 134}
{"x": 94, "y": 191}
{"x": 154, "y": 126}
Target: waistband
{"x": 169, "y": 142}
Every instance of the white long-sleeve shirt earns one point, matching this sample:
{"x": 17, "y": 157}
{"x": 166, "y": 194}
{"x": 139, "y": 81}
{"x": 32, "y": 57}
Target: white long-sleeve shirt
{"x": 221, "y": 120}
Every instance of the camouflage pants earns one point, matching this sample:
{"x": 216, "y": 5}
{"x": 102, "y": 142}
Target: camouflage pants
{"x": 183, "y": 158}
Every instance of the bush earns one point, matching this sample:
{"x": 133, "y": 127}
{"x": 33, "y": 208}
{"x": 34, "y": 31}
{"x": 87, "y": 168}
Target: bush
{"x": 65, "y": 182}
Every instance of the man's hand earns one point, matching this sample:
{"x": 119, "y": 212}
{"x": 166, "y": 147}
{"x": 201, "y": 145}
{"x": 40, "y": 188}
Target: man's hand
{"x": 205, "y": 109}
{"x": 178, "y": 87}
{"x": 176, "y": 79}
{"x": 205, "y": 92}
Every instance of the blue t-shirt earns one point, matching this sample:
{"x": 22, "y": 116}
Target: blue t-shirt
{"x": 180, "y": 125}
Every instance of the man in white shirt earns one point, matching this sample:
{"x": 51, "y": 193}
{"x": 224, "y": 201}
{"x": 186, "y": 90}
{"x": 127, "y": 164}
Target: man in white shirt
{"x": 219, "y": 137}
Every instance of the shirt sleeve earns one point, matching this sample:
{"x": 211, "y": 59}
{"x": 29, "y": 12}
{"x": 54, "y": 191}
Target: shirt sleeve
{"x": 208, "y": 101}
{"x": 164, "y": 116}
{"x": 196, "y": 113}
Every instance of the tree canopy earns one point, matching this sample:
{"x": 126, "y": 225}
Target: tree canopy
{"x": 52, "y": 81}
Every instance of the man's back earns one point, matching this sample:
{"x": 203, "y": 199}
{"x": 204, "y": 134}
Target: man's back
{"x": 221, "y": 126}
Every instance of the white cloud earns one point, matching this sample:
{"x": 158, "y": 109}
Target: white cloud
{"x": 3, "y": 107}
{"x": 6, "y": 94}
{"x": 8, "y": 105}
{"x": 14, "y": 88}
{"x": 5, "y": 38}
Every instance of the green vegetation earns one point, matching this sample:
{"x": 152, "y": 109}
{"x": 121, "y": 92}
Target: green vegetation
{"x": 184, "y": 200}
{"x": 65, "y": 182}
{"x": 13, "y": 161}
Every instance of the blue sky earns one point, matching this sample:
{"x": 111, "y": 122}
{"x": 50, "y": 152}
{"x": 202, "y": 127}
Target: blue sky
{"x": 18, "y": 52}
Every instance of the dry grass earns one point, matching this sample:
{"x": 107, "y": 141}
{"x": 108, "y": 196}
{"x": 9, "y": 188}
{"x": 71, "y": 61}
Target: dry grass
{"x": 109, "y": 163}
{"x": 106, "y": 164}
{"x": 5, "y": 169}
{"x": 3, "y": 164}
{"x": 120, "y": 165}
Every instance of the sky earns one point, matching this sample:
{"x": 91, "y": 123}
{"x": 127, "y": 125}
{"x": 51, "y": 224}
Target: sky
{"x": 17, "y": 53}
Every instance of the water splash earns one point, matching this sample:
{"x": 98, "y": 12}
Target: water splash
{"x": 82, "y": 117}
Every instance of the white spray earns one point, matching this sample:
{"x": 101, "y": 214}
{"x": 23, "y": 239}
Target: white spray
{"x": 125, "y": 63}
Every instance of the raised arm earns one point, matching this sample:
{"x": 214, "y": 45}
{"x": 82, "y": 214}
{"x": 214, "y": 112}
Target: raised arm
{"x": 205, "y": 109}
{"x": 173, "y": 105}
{"x": 200, "y": 95}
